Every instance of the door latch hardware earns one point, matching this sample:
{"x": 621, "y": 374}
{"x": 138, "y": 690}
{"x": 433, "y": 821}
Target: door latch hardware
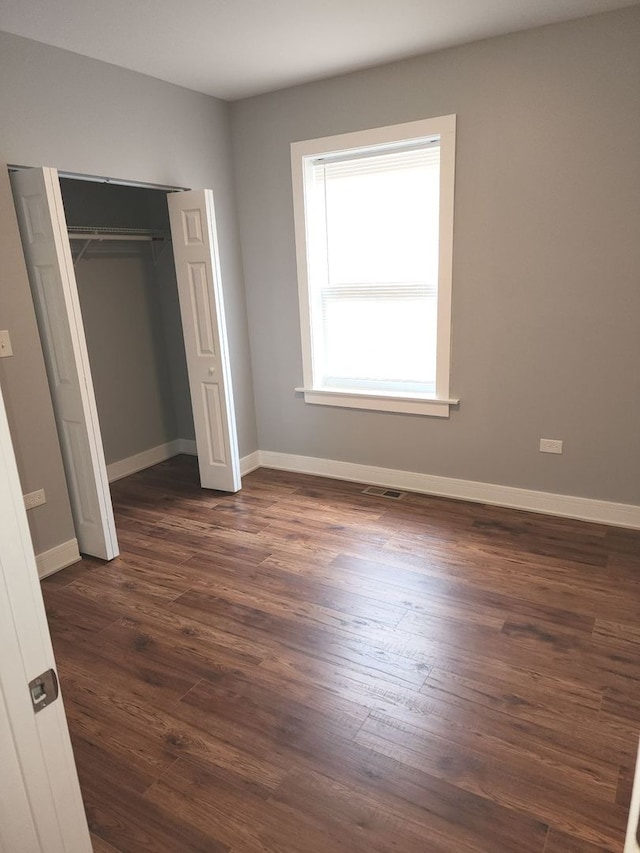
{"x": 44, "y": 690}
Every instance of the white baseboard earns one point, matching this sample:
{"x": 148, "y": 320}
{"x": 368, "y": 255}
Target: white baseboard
{"x": 124, "y": 467}
{"x": 140, "y": 461}
{"x": 250, "y": 462}
{"x": 585, "y": 509}
{"x": 63, "y": 555}
{"x": 186, "y": 445}
{"x": 132, "y": 464}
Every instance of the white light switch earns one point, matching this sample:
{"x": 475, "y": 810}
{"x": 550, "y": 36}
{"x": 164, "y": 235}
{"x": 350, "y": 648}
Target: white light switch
{"x": 551, "y": 445}
{"x": 5, "y": 344}
{"x": 34, "y": 499}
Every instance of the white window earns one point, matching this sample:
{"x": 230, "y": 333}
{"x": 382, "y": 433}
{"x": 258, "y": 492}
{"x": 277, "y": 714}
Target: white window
{"x": 374, "y": 233}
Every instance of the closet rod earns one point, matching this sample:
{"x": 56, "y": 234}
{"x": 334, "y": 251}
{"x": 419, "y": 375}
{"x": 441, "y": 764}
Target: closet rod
{"x": 101, "y": 237}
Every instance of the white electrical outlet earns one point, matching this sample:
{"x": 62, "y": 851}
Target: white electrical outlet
{"x": 5, "y": 344}
{"x": 34, "y": 499}
{"x": 550, "y": 445}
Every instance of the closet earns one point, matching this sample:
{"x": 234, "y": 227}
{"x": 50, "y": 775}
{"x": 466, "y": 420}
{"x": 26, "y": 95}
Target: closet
{"x": 123, "y": 260}
{"x": 127, "y": 291}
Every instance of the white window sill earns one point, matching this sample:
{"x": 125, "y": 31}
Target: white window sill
{"x": 414, "y": 404}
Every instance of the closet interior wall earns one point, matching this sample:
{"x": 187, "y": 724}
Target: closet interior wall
{"x": 129, "y": 301}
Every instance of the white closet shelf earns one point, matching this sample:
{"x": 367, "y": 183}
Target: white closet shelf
{"x": 89, "y": 234}
{"x": 81, "y": 232}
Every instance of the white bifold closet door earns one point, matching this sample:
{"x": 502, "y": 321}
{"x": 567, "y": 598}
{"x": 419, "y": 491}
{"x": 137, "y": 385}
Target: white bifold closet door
{"x": 45, "y": 241}
{"x": 48, "y": 255}
{"x": 195, "y": 249}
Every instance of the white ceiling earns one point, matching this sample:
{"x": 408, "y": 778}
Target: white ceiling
{"x": 236, "y": 48}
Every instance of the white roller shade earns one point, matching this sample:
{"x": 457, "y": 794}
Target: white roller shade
{"x": 374, "y": 217}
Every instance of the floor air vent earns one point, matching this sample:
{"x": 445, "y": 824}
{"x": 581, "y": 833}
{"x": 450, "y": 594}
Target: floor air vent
{"x": 379, "y": 492}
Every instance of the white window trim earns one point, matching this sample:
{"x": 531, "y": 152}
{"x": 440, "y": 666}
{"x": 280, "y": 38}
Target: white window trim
{"x": 436, "y": 405}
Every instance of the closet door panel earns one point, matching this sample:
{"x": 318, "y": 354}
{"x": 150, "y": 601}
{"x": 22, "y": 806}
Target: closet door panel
{"x": 48, "y": 256}
{"x": 195, "y": 249}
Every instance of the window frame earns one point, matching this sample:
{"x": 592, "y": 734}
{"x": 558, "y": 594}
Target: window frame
{"x": 302, "y": 155}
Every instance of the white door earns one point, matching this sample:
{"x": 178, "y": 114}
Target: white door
{"x": 55, "y": 295}
{"x": 41, "y": 808}
{"x": 195, "y": 249}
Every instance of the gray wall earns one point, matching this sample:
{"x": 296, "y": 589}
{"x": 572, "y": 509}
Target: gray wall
{"x": 61, "y": 109}
{"x": 26, "y": 394}
{"x": 129, "y": 364}
{"x": 546, "y": 299}
{"x": 173, "y": 346}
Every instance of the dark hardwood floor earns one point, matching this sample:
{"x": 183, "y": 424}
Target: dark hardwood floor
{"x": 301, "y": 668}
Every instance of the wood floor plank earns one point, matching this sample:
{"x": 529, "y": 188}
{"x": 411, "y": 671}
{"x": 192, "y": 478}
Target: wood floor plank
{"x": 495, "y": 737}
{"x": 157, "y": 737}
{"x": 480, "y": 585}
{"x": 450, "y": 816}
{"x": 104, "y": 659}
{"x": 590, "y": 820}
{"x": 247, "y": 705}
{"x": 344, "y": 582}
{"x": 625, "y": 786}
{"x": 519, "y": 692}
{"x": 101, "y": 846}
{"x": 121, "y": 724}
{"x": 560, "y": 842}
{"x": 72, "y": 612}
{"x": 303, "y": 632}
{"x": 114, "y": 763}
{"x": 304, "y": 668}
{"x": 221, "y": 809}
{"x": 131, "y": 822}
{"x": 556, "y": 745}
{"x": 355, "y": 818}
